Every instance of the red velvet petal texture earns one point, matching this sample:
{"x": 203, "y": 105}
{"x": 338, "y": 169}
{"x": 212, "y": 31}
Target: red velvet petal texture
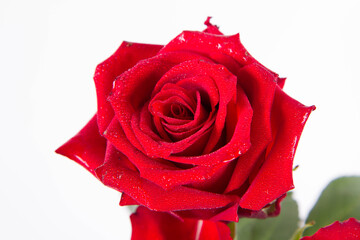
{"x": 87, "y": 148}
{"x": 259, "y": 86}
{"x": 150, "y": 225}
{"x": 125, "y": 57}
{"x": 118, "y": 173}
{"x": 226, "y": 49}
{"x": 274, "y": 178}
{"x": 347, "y": 230}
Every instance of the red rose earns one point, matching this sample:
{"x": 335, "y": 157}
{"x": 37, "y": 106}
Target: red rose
{"x": 348, "y": 230}
{"x": 197, "y": 127}
{"x": 150, "y": 225}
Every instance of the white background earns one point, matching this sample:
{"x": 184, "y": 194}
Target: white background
{"x": 48, "y": 53}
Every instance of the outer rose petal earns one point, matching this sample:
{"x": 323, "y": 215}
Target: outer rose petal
{"x": 212, "y": 46}
{"x": 259, "y": 86}
{"x": 86, "y": 148}
{"x": 125, "y": 57}
{"x": 150, "y": 225}
{"x": 348, "y": 230}
{"x": 211, "y": 28}
{"x": 119, "y": 174}
{"x": 274, "y": 178}
{"x": 281, "y": 82}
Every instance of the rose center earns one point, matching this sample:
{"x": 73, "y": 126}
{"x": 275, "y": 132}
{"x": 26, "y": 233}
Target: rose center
{"x": 179, "y": 111}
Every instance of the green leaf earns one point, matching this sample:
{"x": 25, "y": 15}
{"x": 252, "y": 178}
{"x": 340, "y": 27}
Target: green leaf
{"x": 281, "y": 227}
{"x": 339, "y": 201}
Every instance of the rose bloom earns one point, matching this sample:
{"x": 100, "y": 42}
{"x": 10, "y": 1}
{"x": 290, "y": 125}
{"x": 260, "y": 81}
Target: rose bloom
{"x": 348, "y": 230}
{"x": 197, "y": 128}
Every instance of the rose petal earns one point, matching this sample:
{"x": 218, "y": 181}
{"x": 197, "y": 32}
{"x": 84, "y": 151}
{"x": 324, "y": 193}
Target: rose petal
{"x": 229, "y": 214}
{"x": 347, "y": 230}
{"x": 206, "y": 44}
{"x": 125, "y": 57}
{"x": 126, "y": 200}
{"x": 281, "y": 82}
{"x": 87, "y": 147}
{"x": 211, "y": 28}
{"x": 215, "y": 182}
{"x": 117, "y": 175}
{"x": 275, "y": 176}
{"x": 150, "y": 225}
{"x": 259, "y": 86}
